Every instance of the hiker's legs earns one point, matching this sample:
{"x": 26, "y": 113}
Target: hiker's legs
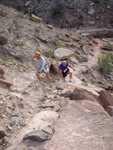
{"x": 48, "y": 76}
{"x": 47, "y": 72}
{"x": 70, "y": 76}
{"x": 65, "y": 74}
{"x": 38, "y": 76}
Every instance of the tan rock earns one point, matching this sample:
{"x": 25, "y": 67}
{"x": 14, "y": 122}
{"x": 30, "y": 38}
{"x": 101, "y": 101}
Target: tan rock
{"x": 35, "y": 18}
{"x": 62, "y": 53}
{"x": 50, "y": 26}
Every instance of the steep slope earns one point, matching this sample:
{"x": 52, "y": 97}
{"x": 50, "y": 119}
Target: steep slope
{"x": 74, "y": 13}
{"x": 29, "y": 109}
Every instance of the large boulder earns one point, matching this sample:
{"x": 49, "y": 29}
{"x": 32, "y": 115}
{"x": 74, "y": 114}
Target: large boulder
{"x": 62, "y": 53}
{"x": 38, "y": 136}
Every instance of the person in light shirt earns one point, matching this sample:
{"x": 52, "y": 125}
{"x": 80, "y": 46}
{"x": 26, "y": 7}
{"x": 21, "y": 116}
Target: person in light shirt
{"x": 42, "y": 65}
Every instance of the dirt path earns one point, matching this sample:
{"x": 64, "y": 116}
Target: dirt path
{"x": 92, "y": 62}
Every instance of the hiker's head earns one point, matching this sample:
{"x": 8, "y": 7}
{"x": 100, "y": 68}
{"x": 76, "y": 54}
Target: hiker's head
{"x": 37, "y": 54}
{"x": 64, "y": 61}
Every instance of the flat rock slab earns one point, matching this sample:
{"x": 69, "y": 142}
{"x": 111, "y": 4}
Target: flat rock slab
{"x": 83, "y": 125}
{"x": 62, "y": 53}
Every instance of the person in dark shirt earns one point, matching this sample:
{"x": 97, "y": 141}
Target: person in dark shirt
{"x": 64, "y": 69}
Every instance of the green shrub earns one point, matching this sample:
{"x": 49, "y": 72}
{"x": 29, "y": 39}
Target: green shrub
{"x": 49, "y": 53}
{"x": 59, "y": 44}
{"x": 7, "y": 60}
{"x": 105, "y": 62}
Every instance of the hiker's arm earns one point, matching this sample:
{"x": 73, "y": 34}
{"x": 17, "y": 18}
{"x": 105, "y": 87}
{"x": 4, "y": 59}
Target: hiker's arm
{"x": 34, "y": 57}
{"x": 72, "y": 67}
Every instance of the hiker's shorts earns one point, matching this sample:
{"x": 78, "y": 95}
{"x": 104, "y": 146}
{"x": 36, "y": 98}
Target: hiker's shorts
{"x": 65, "y": 73}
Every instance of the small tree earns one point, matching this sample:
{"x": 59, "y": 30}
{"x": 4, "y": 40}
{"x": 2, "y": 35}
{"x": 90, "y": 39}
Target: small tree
{"x": 105, "y": 62}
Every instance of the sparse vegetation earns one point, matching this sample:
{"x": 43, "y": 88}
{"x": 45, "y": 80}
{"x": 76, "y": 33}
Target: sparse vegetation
{"x": 7, "y": 61}
{"x": 105, "y": 62}
{"x": 59, "y": 43}
{"x": 49, "y": 53}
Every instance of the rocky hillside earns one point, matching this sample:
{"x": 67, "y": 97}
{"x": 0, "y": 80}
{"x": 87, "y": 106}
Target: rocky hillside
{"x": 54, "y": 115}
{"x": 69, "y": 13}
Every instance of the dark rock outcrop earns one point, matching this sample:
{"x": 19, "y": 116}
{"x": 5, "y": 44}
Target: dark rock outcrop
{"x": 63, "y": 13}
{"x": 39, "y": 136}
{"x": 106, "y": 100}
{"x": 79, "y": 94}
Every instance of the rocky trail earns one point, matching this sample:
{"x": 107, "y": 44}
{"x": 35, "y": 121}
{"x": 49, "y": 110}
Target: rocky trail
{"x": 69, "y": 124}
{"x": 43, "y": 118}
{"x": 83, "y": 124}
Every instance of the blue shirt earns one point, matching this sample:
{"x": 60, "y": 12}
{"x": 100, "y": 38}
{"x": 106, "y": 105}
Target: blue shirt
{"x": 63, "y": 66}
{"x": 41, "y": 64}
